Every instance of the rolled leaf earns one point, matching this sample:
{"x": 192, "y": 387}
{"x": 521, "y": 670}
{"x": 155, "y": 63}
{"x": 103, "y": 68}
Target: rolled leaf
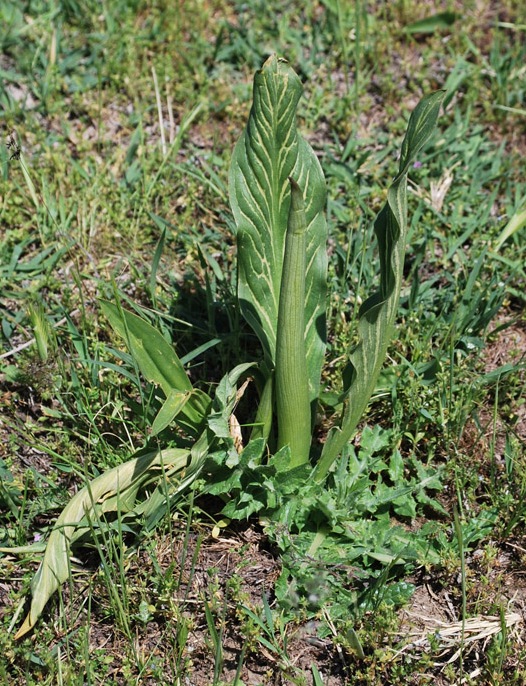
{"x": 292, "y": 383}
{"x": 377, "y": 314}
{"x": 267, "y": 154}
{"x": 263, "y": 419}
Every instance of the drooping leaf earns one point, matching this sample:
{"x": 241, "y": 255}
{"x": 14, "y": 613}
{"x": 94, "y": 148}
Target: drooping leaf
{"x": 267, "y": 154}
{"x": 377, "y": 314}
{"x": 115, "y": 490}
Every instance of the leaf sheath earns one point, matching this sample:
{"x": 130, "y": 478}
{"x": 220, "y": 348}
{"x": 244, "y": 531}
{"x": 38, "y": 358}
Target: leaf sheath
{"x": 292, "y": 383}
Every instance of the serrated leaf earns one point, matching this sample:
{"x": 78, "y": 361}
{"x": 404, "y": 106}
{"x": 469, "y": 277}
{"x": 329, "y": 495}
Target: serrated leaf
{"x": 405, "y": 507}
{"x": 396, "y": 467}
{"x": 267, "y": 154}
{"x": 252, "y": 453}
{"x": 424, "y": 499}
{"x": 374, "y": 439}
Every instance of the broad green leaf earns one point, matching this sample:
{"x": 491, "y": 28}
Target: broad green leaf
{"x": 436, "y": 22}
{"x": 160, "y": 365}
{"x": 171, "y": 407}
{"x": 115, "y": 490}
{"x": 267, "y": 154}
{"x": 154, "y": 355}
{"x": 377, "y": 314}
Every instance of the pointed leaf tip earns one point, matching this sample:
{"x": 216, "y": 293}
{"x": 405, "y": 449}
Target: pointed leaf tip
{"x": 421, "y": 124}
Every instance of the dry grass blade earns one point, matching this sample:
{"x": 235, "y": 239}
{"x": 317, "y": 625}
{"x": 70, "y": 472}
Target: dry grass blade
{"x": 459, "y": 636}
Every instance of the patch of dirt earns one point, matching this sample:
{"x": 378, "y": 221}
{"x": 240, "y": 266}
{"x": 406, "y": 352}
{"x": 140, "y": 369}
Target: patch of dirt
{"x": 508, "y": 346}
{"x": 495, "y": 578}
{"x": 501, "y": 413}
{"x": 210, "y": 576}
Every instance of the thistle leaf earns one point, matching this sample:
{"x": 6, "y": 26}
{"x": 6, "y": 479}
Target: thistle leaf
{"x": 267, "y": 154}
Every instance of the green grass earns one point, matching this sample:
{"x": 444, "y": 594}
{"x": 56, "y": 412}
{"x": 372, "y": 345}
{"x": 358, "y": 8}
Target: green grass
{"x": 188, "y": 600}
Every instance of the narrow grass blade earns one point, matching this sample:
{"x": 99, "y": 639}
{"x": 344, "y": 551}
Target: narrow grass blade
{"x": 316, "y": 676}
{"x": 30, "y": 184}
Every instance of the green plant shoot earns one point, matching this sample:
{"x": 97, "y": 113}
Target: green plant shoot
{"x": 277, "y": 194}
{"x": 292, "y": 382}
{"x": 269, "y": 152}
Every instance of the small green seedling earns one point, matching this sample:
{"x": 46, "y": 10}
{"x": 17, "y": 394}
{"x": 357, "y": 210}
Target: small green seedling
{"x": 277, "y": 193}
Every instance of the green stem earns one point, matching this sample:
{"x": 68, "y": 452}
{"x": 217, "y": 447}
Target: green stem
{"x": 263, "y": 420}
{"x": 292, "y": 384}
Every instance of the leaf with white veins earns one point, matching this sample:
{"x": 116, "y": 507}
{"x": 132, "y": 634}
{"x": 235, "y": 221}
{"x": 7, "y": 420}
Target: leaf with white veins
{"x": 378, "y": 312}
{"x": 267, "y": 154}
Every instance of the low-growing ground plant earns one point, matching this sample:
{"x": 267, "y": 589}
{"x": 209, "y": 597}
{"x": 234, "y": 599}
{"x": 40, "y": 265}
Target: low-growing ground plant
{"x": 312, "y": 490}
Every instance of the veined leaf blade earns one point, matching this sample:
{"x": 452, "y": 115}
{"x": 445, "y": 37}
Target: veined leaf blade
{"x": 171, "y": 407}
{"x": 107, "y": 491}
{"x": 267, "y": 154}
{"x": 155, "y": 357}
{"x": 160, "y": 365}
{"x": 420, "y": 127}
{"x": 377, "y": 314}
